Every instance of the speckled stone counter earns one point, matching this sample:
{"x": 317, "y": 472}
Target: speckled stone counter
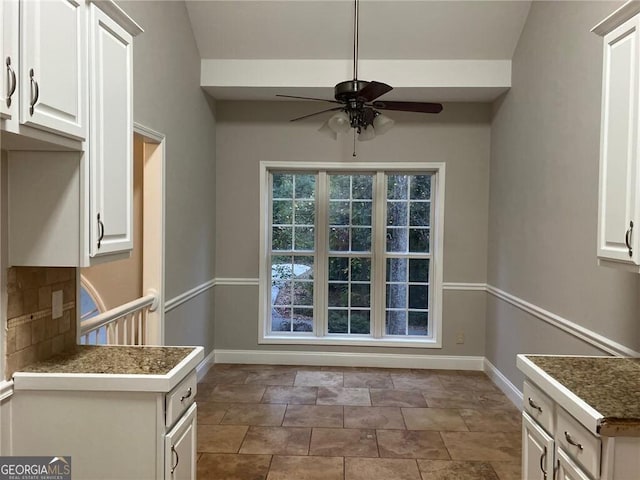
{"x": 609, "y": 385}
{"x": 113, "y": 360}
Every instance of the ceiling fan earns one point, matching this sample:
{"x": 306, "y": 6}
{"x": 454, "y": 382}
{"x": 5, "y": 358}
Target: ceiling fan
{"x": 359, "y": 108}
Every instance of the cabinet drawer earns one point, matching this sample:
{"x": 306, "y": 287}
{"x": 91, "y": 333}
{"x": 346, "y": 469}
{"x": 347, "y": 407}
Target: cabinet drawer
{"x": 539, "y": 406}
{"x": 180, "y": 398}
{"x": 579, "y": 443}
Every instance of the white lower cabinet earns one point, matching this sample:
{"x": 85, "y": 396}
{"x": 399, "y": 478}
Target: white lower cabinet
{"x": 537, "y": 450}
{"x": 567, "y": 469}
{"x": 180, "y": 446}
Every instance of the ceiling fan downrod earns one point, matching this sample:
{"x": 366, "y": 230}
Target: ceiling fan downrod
{"x": 356, "y": 24}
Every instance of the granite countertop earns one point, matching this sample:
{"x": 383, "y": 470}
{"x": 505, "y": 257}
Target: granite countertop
{"x": 119, "y": 360}
{"x": 610, "y": 385}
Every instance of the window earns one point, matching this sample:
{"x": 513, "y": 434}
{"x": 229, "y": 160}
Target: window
{"x": 351, "y": 253}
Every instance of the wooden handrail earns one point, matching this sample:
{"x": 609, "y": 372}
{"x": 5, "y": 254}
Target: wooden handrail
{"x": 114, "y": 314}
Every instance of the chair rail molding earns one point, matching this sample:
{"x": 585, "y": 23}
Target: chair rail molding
{"x": 175, "y": 302}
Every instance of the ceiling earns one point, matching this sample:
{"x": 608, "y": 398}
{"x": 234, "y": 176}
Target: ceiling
{"x": 251, "y": 49}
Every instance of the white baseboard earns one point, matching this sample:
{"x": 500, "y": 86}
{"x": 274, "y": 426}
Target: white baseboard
{"x": 346, "y": 359}
{"x": 503, "y": 383}
{"x": 204, "y": 366}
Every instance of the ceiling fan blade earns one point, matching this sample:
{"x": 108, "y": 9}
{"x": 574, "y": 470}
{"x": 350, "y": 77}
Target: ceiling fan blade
{"x": 314, "y": 114}
{"x": 373, "y": 90}
{"x": 420, "y": 107}
{"x": 307, "y": 98}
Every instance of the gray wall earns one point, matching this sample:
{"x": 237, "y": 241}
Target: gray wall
{"x": 168, "y": 99}
{"x": 544, "y": 193}
{"x": 249, "y": 132}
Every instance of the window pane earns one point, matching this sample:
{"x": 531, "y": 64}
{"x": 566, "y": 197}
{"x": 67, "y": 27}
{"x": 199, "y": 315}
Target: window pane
{"x": 360, "y": 321}
{"x": 304, "y": 212}
{"x": 339, "y": 239}
{"x": 338, "y": 295}
{"x": 360, "y": 269}
{"x": 360, "y": 239}
{"x": 281, "y": 294}
{"x": 338, "y": 321}
{"x": 396, "y": 213}
{"x": 282, "y": 212}
{"x": 396, "y": 323}
{"x": 303, "y": 293}
{"x": 338, "y": 268}
{"x": 418, "y": 323}
{"x": 397, "y": 240}
{"x": 281, "y": 319}
{"x": 419, "y": 240}
{"x": 360, "y": 295}
{"x": 305, "y": 186}
{"x": 282, "y": 238}
{"x": 302, "y": 319}
{"x": 361, "y": 213}
{"x": 397, "y": 269}
{"x": 304, "y": 238}
{"x": 281, "y": 270}
{"x": 418, "y": 270}
{"x": 282, "y": 185}
{"x": 339, "y": 186}
{"x": 362, "y": 186}
{"x": 418, "y": 296}
{"x": 421, "y": 187}
{"x": 303, "y": 267}
{"x": 397, "y": 187}
{"x": 419, "y": 213}
{"x": 396, "y": 296}
{"x": 339, "y": 213}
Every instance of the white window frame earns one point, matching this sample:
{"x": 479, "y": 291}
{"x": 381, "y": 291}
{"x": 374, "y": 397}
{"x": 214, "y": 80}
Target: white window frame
{"x": 437, "y": 169}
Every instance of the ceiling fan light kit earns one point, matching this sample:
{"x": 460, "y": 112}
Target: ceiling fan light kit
{"x": 358, "y": 109}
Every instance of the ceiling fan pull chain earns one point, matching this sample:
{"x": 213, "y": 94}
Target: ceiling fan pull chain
{"x": 354, "y": 142}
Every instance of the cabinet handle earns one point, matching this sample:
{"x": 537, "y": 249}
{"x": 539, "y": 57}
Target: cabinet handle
{"x": 542, "y": 458}
{"x": 627, "y": 238}
{"x": 556, "y": 469}
{"x": 182, "y": 398}
{"x": 12, "y": 81}
{"x": 572, "y": 441}
{"x": 534, "y": 405}
{"x": 101, "y": 230}
{"x": 173, "y": 467}
{"x": 35, "y": 91}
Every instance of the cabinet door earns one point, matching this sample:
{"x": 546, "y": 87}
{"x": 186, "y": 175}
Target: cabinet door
{"x": 8, "y": 51}
{"x": 52, "y": 66}
{"x": 180, "y": 448}
{"x": 111, "y": 136}
{"x": 567, "y": 469}
{"x": 618, "y": 228}
{"x": 537, "y": 451}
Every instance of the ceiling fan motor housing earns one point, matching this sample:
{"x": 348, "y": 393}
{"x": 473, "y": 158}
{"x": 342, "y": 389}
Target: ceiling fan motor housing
{"x": 348, "y": 90}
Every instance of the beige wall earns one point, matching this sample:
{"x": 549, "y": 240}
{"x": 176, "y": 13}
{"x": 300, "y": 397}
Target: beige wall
{"x": 544, "y": 193}
{"x": 249, "y": 132}
{"x": 168, "y": 99}
{"x": 120, "y": 282}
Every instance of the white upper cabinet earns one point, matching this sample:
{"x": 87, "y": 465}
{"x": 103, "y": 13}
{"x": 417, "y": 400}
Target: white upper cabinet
{"x": 618, "y": 242}
{"x": 111, "y": 138}
{"x": 53, "y": 78}
{"x": 9, "y": 51}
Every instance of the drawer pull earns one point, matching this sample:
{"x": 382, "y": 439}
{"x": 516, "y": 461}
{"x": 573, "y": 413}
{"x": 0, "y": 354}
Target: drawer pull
{"x": 534, "y": 405}
{"x": 182, "y": 398}
{"x": 572, "y": 441}
{"x": 542, "y": 459}
{"x": 173, "y": 467}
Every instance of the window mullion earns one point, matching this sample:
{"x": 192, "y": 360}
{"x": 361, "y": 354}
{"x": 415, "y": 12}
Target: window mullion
{"x": 378, "y": 263}
{"x": 320, "y": 327}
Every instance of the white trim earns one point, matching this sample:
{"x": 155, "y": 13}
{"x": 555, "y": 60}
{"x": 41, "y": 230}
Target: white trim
{"x": 348, "y": 359}
{"x": 463, "y": 287}
{"x": 599, "y": 341}
{"x": 95, "y": 296}
{"x": 6, "y": 389}
{"x": 204, "y": 366}
{"x": 617, "y": 18}
{"x": 503, "y": 383}
{"x": 237, "y": 281}
{"x": 188, "y": 295}
{"x": 148, "y": 133}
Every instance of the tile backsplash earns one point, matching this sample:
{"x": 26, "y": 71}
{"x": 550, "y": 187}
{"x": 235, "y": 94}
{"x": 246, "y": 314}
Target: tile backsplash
{"x": 32, "y": 334}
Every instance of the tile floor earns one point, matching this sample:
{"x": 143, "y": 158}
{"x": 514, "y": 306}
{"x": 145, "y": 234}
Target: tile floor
{"x": 268, "y": 422}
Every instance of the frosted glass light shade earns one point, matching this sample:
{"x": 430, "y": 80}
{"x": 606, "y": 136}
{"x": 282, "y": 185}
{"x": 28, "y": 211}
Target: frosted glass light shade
{"x": 325, "y": 129}
{"x": 339, "y": 123}
{"x": 367, "y": 134}
{"x": 382, "y": 124}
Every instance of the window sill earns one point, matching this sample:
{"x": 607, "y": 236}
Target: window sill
{"x": 349, "y": 341}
